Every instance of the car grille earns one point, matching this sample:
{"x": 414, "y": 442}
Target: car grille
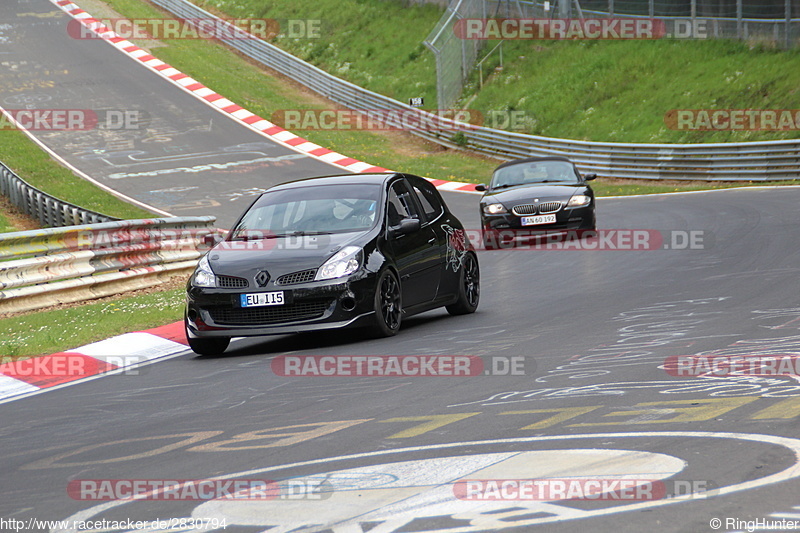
{"x": 230, "y": 282}
{"x": 549, "y": 207}
{"x": 253, "y": 316}
{"x": 531, "y": 209}
{"x": 304, "y": 276}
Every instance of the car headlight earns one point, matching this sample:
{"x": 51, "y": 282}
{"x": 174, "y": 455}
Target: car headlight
{"x": 494, "y": 209}
{"x": 203, "y": 275}
{"x": 344, "y": 262}
{"x": 579, "y": 200}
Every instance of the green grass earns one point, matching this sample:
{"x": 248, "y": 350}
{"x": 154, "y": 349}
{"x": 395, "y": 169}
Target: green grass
{"x": 621, "y": 91}
{"x": 5, "y": 225}
{"x": 62, "y": 329}
{"x": 36, "y": 167}
{"x": 372, "y": 43}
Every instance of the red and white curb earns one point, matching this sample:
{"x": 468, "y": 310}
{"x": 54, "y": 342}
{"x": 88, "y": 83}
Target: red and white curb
{"x": 227, "y": 107}
{"x": 123, "y": 352}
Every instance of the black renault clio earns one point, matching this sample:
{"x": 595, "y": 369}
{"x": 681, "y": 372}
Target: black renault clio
{"x": 333, "y": 252}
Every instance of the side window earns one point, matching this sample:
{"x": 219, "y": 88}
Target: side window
{"x": 429, "y": 198}
{"x": 400, "y": 205}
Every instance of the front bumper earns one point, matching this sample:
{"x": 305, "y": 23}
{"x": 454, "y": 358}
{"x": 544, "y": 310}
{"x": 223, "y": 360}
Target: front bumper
{"x": 329, "y": 304}
{"x": 507, "y": 227}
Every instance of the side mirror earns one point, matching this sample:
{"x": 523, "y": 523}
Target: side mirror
{"x": 407, "y": 225}
{"x": 590, "y": 177}
{"x": 481, "y": 187}
{"x": 212, "y": 239}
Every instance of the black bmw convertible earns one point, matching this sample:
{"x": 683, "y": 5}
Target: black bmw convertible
{"x": 535, "y": 196}
{"x": 333, "y": 252}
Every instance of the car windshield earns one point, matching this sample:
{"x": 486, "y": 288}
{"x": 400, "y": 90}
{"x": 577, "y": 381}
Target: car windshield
{"x": 312, "y": 210}
{"x": 534, "y": 172}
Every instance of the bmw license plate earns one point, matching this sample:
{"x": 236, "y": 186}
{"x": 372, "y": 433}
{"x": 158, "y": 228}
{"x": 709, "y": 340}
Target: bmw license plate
{"x": 261, "y": 299}
{"x": 538, "y": 219}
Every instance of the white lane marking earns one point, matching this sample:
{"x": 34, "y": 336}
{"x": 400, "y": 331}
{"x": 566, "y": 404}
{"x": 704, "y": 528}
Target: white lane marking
{"x": 407, "y": 490}
{"x": 13, "y": 387}
{"x": 134, "y": 345}
{"x": 126, "y": 369}
{"x": 784, "y": 475}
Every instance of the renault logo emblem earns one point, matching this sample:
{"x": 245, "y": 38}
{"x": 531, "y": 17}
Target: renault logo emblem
{"x": 262, "y": 278}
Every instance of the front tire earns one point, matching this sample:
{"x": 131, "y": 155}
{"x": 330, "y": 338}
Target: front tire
{"x": 387, "y": 305}
{"x": 469, "y": 287}
{"x": 207, "y": 345}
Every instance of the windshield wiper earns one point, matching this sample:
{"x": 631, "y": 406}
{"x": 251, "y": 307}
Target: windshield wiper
{"x": 257, "y": 236}
{"x": 247, "y": 237}
{"x": 298, "y": 233}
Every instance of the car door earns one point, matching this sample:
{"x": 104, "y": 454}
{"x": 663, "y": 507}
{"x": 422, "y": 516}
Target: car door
{"x": 416, "y": 254}
{"x": 446, "y": 230}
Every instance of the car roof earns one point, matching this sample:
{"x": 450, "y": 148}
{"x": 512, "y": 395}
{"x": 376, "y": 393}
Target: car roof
{"x": 534, "y": 159}
{"x": 377, "y": 178}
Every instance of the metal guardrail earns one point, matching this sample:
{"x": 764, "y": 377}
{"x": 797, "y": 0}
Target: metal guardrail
{"x": 48, "y": 210}
{"x": 747, "y": 161}
{"x": 41, "y": 268}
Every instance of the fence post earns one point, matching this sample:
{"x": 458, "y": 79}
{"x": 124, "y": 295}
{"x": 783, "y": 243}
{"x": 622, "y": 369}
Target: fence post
{"x": 788, "y": 31}
{"x": 694, "y": 16}
{"x": 739, "y": 34}
{"x": 610, "y": 8}
{"x": 565, "y": 9}
{"x": 651, "y": 10}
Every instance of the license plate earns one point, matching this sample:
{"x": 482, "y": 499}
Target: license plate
{"x": 261, "y": 299}
{"x": 538, "y": 219}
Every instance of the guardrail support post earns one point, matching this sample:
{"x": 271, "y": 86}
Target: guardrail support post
{"x": 565, "y": 9}
{"x": 739, "y": 33}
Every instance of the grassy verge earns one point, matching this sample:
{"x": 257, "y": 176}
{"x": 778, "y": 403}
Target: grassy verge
{"x": 5, "y": 225}
{"x": 603, "y": 187}
{"x": 622, "y": 91}
{"x": 36, "y": 167}
{"x": 62, "y": 329}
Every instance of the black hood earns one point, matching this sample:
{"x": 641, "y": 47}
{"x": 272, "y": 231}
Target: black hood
{"x": 280, "y": 255}
{"x": 528, "y": 192}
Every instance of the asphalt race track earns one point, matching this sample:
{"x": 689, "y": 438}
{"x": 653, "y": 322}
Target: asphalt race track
{"x": 576, "y": 386}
